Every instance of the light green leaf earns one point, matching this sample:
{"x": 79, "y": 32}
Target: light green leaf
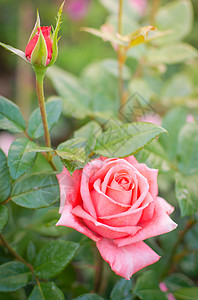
{"x": 122, "y": 290}
{"x": 111, "y": 66}
{"x": 39, "y": 149}
{"x": 76, "y": 99}
{"x": 54, "y": 257}
{"x": 46, "y": 291}
{"x": 90, "y": 132}
{"x": 186, "y": 293}
{"x": 36, "y": 191}
{"x": 13, "y": 276}
{"x": 187, "y": 149}
{"x": 126, "y": 139}
{"x": 37, "y": 25}
{"x": 154, "y": 156}
{"x": 4, "y": 216}
{"x": 186, "y": 190}
{"x": 5, "y": 180}
{"x": 15, "y": 51}
{"x": 172, "y": 54}
{"x": 20, "y": 161}
{"x": 147, "y": 287}
{"x": 176, "y": 16}
{"x": 53, "y": 110}
{"x": 10, "y": 116}
{"x": 173, "y": 122}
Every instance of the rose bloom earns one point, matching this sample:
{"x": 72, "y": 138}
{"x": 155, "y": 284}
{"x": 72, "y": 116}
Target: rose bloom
{"x": 114, "y": 202}
{"x": 32, "y": 43}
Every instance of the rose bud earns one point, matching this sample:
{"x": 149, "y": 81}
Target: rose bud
{"x": 39, "y": 49}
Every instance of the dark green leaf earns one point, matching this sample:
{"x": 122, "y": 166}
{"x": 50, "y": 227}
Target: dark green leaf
{"x": 122, "y": 290}
{"x": 54, "y": 257}
{"x": 75, "y": 98}
{"x": 5, "y": 180}
{"x": 19, "y": 160}
{"x": 53, "y": 110}
{"x": 10, "y": 116}
{"x": 46, "y": 291}
{"x": 126, "y": 139}
{"x": 31, "y": 252}
{"x": 173, "y": 122}
{"x": 187, "y": 149}
{"x": 90, "y": 131}
{"x": 186, "y": 190}
{"x": 154, "y": 156}
{"x": 36, "y": 191}
{"x": 13, "y": 276}
{"x": 147, "y": 287}
{"x": 187, "y": 293}
{"x": 89, "y": 297}
{"x": 4, "y": 216}
{"x": 176, "y": 281}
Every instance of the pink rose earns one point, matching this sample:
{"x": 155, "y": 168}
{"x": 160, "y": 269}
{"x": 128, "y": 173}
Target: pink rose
{"x": 114, "y": 202}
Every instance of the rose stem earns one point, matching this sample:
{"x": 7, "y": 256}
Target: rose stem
{"x": 40, "y": 94}
{"x": 189, "y": 225}
{"x": 154, "y": 8}
{"x": 98, "y": 272}
{"x": 18, "y": 257}
{"x": 120, "y": 56}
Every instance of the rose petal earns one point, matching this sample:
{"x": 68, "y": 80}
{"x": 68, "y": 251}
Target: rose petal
{"x": 69, "y": 220}
{"x": 87, "y": 173}
{"x": 69, "y": 187}
{"x": 151, "y": 176}
{"x": 160, "y": 223}
{"x": 103, "y": 229}
{"x": 125, "y": 261}
{"x": 166, "y": 206}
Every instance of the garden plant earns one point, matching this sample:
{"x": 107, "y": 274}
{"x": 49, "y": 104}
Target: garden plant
{"x": 99, "y": 151}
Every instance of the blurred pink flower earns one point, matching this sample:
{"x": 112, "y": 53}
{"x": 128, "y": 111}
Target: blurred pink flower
{"x": 6, "y": 140}
{"x": 190, "y": 118}
{"x": 77, "y": 9}
{"x": 140, "y": 6}
{"x": 151, "y": 118}
{"x": 164, "y": 288}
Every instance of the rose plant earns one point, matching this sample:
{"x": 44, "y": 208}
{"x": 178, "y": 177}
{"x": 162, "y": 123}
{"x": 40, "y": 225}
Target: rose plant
{"x": 110, "y": 178}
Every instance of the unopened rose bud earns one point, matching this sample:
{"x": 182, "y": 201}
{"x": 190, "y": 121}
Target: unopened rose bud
{"x": 39, "y": 49}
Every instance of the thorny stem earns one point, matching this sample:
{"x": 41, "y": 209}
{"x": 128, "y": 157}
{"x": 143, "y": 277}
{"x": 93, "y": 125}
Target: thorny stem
{"x": 173, "y": 256}
{"x": 18, "y": 257}
{"x": 98, "y": 272}
{"x": 120, "y": 56}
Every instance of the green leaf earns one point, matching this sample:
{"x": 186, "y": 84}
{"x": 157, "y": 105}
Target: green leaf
{"x": 90, "y": 132}
{"x": 186, "y": 193}
{"x": 15, "y": 51}
{"x": 5, "y": 180}
{"x": 54, "y": 257}
{"x": 126, "y": 139}
{"x": 10, "y": 116}
{"x": 31, "y": 252}
{"x": 178, "y": 86}
{"x": 75, "y": 98}
{"x": 154, "y": 156}
{"x": 111, "y": 66}
{"x": 147, "y": 287}
{"x": 89, "y": 297}
{"x": 122, "y": 290}
{"x": 4, "y": 216}
{"x": 72, "y": 153}
{"x": 20, "y": 161}
{"x": 53, "y": 110}
{"x": 186, "y": 293}
{"x": 36, "y": 190}
{"x": 37, "y": 25}
{"x": 172, "y": 54}
{"x": 173, "y": 122}
{"x": 13, "y": 276}
{"x": 46, "y": 291}
{"x": 176, "y": 16}
{"x": 187, "y": 149}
